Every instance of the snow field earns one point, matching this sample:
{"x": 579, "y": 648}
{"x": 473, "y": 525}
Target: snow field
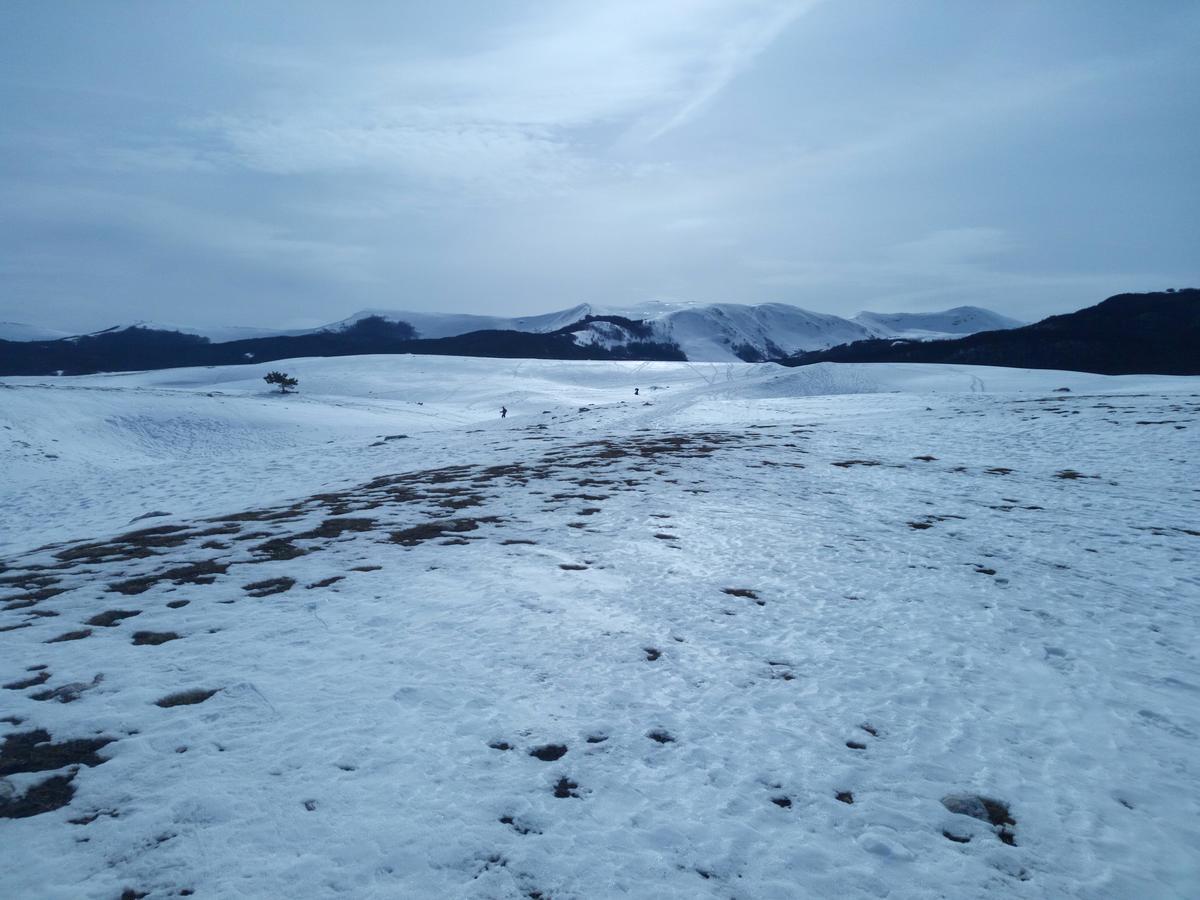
{"x": 972, "y": 623}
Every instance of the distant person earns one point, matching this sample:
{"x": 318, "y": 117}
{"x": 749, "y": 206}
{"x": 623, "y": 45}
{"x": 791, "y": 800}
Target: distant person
{"x": 635, "y": 391}
{"x": 503, "y": 412}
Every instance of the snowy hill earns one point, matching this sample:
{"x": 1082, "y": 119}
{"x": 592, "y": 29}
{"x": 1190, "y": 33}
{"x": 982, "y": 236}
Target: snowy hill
{"x": 841, "y": 630}
{"x": 16, "y": 331}
{"x": 957, "y": 322}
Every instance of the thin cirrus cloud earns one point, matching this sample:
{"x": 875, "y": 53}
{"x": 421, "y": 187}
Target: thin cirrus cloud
{"x": 521, "y": 109}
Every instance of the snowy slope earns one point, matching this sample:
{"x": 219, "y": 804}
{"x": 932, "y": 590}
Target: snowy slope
{"x": 957, "y": 322}
{"x": 928, "y": 603}
{"x": 16, "y": 331}
{"x": 760, "y": 627}
{"x": 718, "y": 332}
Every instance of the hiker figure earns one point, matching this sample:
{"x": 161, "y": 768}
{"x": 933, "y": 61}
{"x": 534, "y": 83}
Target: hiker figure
{"x": 635, "y": 391}
{"x": 503, "y": 412}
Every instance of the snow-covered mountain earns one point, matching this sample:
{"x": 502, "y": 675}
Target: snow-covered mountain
{"x": 439, "y": 325}
{"x": 714, "y": 332}
{"x": 721, "y": 332}
{"x": 957, "y": 322}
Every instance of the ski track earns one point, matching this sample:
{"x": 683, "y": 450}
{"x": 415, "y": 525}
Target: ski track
{"x": 1015, "y": 617}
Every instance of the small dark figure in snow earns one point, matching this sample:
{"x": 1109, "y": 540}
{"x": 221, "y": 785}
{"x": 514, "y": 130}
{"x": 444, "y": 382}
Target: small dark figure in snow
{"x": 635, "y": 391}
{"x": 503, "y": 412}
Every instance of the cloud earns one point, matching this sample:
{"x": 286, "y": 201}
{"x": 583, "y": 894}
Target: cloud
{"x": 533, "y": 108}
{"x": 156, "y": 222}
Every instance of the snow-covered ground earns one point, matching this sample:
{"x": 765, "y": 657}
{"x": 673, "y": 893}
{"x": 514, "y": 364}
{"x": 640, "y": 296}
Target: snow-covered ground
{"x": 758, "y": 623}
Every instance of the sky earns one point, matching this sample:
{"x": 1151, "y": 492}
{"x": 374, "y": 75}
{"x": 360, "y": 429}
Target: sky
{"x": 285, "y": 164}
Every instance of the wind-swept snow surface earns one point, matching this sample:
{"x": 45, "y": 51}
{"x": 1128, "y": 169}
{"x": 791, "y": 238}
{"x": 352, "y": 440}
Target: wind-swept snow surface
{"x": 858, "y": 631}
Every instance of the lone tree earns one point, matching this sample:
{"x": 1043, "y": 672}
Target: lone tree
{"x": 285, "y": 381}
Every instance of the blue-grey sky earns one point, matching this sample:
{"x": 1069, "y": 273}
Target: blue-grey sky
{"x": 287, "y": 163}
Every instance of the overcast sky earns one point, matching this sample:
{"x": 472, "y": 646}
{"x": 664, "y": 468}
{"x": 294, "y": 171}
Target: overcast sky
{"x": 288, "y": 163}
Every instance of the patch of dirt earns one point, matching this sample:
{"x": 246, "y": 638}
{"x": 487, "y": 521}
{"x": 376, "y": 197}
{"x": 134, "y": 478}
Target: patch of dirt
{"x": 325, "y": 582}
{"x": 45, "y": 796}
{"x": 565, "y": 787}
{"x": 67, "y": 693}
{"x": 70, "y": 636}
{"x": 153, "y": 638}
{"x": 417, "y": 534}
{"x": 203, "y": 572}
{"x": 39, "y": 678}
{"x": 783, "y": 802}
{"x": 740, "y": 592}
{"x": 185, "y": 698}
{"x": 262, "y": 515}
{"x": 110, "y": 618}
{"x": 987, "y": 809}
{"x": 847, "y": 463}
{"x": 335, "y": 528}
{"x": 1072, "y": 475}
{"x": 549, "y": 752}
{"x": 269, "y": 586}
{"x": 131, "y": 545}
{"x": 32, "y": 598}
{"x": 33, "y": 751}
{"x": 661, "y": 737}
{"x": 178, "y": 604}
{"x": 844, "y": 796}
{"x": 278, "y": 550}
{"x": 652, "y": 653}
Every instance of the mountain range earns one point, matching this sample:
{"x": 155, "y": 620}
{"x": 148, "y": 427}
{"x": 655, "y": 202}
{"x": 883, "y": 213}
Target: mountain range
{"x": 1151, "y": 333}
{"x": 680, "y": 331}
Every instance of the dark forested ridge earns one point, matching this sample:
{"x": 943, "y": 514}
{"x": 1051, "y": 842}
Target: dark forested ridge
{"x": 138, "y": 348}
{"x": 1153, "y": 333}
